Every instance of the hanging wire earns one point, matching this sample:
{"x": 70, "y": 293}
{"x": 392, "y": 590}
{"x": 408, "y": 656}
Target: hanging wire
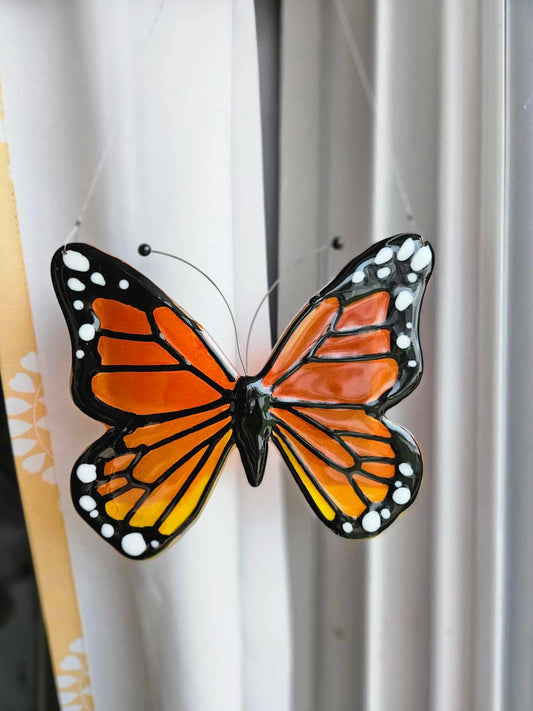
{"x": 371, "y": 99}
{"x": 275, "y": 284}
{"x": 108, "y": 145}
{"x": 147, "y": 250}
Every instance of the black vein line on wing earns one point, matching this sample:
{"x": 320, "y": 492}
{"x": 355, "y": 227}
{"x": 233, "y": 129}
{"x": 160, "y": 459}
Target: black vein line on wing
{"x": 152, "y": 486}
{"x": 210, "y": 443}
{"x": 309, "y": 473}
{"x": 158, "y": 340}
{"x": 188, "y": 321}
{"x": 176, "y": 500}
{"x": 338, "y": 467}
{"x": 145, "y": 448}
{"x": 333, "y": 432}
{"x": 366, "y": 501}
{"x": 351, "y": 359}
{"x": 173, "y": 351}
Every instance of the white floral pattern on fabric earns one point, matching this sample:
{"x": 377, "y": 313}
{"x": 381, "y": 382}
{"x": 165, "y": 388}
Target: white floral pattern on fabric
{"x": 26, "y": 413}
{"x": 73, "y": 683}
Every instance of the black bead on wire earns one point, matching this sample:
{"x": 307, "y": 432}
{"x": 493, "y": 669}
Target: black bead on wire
{"x": 144, "y": 249}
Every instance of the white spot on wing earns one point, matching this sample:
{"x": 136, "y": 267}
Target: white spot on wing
{"x": 412, "y": 277}
{"x": 406, "y": 250}
{"x": 86, "y": 332}
{"x": 401, "y": 496}
{"x": 123, "y": 284}
{"x": 154, "y": 544}
{"x": 412, "y": 363}
{"x": 371, "y": 521}
{"x": 406, "y": 469}
{"x": 403, "y": 341}
{"x": 78, "y": 305}
{"x": 97, "y": 278}
{"x": 86, "y": 473}
{"x": 383, "y": 273}
{"x": 358, "y": 277}
{"x": 404, "y": 300}
{"x": 80, "y": 353}
{"x": 421, "y": 259}
{"x": 133, "y": 544}
{"x": 107, "y": 530}
{"x": 384, "y": 255}
{"x": 347, "y": 526}
{"x": 93, "y": 513}
{"x": 76, "y": 261}
{"x": 75, "y": 284}
{"x": 87, "y": 503}
{"x": 385, "y": 513}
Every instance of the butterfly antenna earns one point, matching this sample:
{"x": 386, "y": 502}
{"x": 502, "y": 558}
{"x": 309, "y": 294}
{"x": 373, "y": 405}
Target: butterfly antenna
{"x": 336, "y": 243}
{"x": 145, "y": 249}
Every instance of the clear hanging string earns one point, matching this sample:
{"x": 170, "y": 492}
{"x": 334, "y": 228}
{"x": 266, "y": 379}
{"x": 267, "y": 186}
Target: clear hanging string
{"x": 371, "y": 100}
{"x": 274, "y": 285}
{"x": 112, "y": 134}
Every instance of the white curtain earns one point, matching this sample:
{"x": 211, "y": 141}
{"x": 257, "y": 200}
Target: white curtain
{"x": 259, "y": 607}
{"x": 206, "y": 625}
{"x": 414, "y": 620}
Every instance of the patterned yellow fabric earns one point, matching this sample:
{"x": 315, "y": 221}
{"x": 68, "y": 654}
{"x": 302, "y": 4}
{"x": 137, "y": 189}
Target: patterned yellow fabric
{"x": 34, "y": 459}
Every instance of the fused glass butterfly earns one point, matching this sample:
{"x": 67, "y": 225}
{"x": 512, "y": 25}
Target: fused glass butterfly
{"x": 175, "y": 407}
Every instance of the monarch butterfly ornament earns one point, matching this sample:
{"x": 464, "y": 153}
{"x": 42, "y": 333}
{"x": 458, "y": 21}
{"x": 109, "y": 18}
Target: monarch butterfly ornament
{"x": 175, "y": 407}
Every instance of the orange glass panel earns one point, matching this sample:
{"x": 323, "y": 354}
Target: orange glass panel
{"x": 373, "y": 490}
{"x": 121, "y": 351}
{"x": 369, "y": 447}
{"x": 356, "y": 383}
{"x": 379, "y": 469}
{"x": 111, "y": 486}
{"x": 118, "y": 464}
{"x": 157, "y": 461}
{"x": 358, "y": 344}
{"x": 145, "y": 393}
{"x": 320, "y": 502}
{"x": 150, "y": 434}
{"x": 335, "y": 484}
{"x": 318, "y": 439}
{"x": 370, "y": 311}
{"x": 120, "y": 507}
{"x": 158, "y": 500}
{"x": 115, "y": 316}
{"x": 353, "y": 420}
{"x": 314, "y": 325}
{"x": 190, "y": 500}
{"x": 188, "y": 344}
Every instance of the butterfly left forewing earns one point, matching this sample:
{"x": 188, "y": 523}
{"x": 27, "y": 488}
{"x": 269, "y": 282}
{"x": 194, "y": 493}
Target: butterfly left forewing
{"x": 352, "y": 353}
{"x": 134, "y": 351}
